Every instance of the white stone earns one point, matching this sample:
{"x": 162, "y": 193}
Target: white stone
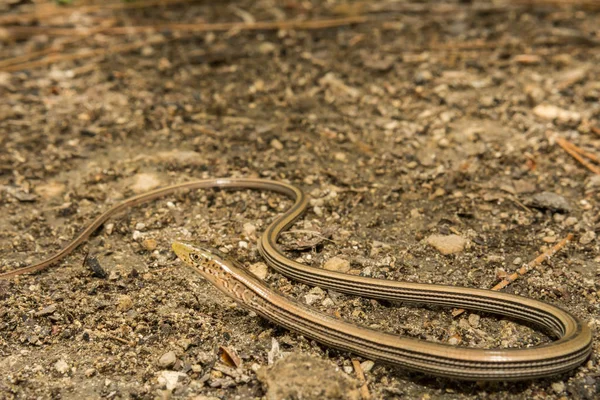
{"x": 337, "y": 264}
{"x": 259, "y": 269}
{"x": 447, "y": 244}
{"x": 170, "y": 379}
{"x": 61, "y": 366}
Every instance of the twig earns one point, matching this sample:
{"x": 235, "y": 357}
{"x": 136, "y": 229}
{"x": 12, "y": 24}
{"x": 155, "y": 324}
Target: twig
{"x": 591, "y": 4}
{"x": 45, "y": 11}
{"x": 55, "y": 48}
{"x": 526, "y": 268}
{"x": 197, "y": 28}
{"x": 577, "y": 154}
{"x": 113, "y": 337}
{"x": 364, "y": 389}
{"x": 579, "y": 150}
{"x": 79, "y": 56}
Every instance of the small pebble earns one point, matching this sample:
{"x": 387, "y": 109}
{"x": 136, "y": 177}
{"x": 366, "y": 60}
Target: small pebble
{"x": 140, "y": 226}
{"x": 150, "y": 244}
{"x": 517, "y": 261}
{"x": 89, "y": 372}
{"x": 259, "y": 269}
{"x": 337, "y": 264}
{"x": 171, "y": 379}
{"x": 197, "y": 368}
{"x": 242, "y": 244}
{"x": 318, "y": 211}
{"x": 570, "y": 221}
{"x": 46, "y": 310}
{"x": 314, "y": 295}
{"x": 276, "y": 144}
{"x": 61, "y": 366}
{"x": 145, "y": 182}
{"x": 367, "y": 366}
{"x": 167, "y": 360}
{"x": 550, "y": 201}
{"x": 249, "y": 229}
{"x": 137, "y": 235}
{"x": 474, "y": 320}
{"x": 551, "y": 112}
{"x": 454, "y": 339}
{"x": 108, "y": 228}
{"x": 449, "y": 244}
{"x": 328, "y": 303}
{"x": 125, "y": 303}
{"x": 558, "y": 387}
{"x": 587, "y": 237}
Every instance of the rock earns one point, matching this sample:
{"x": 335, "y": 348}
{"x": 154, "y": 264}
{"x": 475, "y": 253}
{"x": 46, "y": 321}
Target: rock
{"x": 300, "y": 376}
{"x": 337, "y": 264}
{"x": 150, "y": 244}
{"x": 587, "y": 238}
{"x": 570, "y": 221}
{"x": 558, "y": 387}
{"x": 474, "y": 320}
{"x": 249, "y": 229}
{"x": 447, "y": 244}
{"x": 550, "y": 112}
{"x": 517, "y": 261}
{"x": 313, "y": 295}
{"x": 167, "y": 360}
{"x": 50, "y": 190}
{"x": 125, "y": 303}
{"x": 327, "y": 303}
{"x": 276, "y": 144}
{"x": 171, "y": 379}
{"x": 61, "y": 366}
{"x": 46, "y": 311}
{"x": 367, "y": 366}
{"x": 144, "y": 182}
{"x": 549, "y": 201}
{"x": 267, "y": 48}
{"x": 259, "y": 269}
{"x": 318, "y": 211}
{"x": 181, "y": 157}
{"x": 422, "y": 77}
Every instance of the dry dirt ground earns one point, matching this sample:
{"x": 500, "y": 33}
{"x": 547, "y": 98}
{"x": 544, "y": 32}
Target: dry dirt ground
{"x": 406, "y": 120}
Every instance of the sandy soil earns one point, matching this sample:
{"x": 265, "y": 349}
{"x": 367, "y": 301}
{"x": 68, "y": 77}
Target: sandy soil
{"x": 414, "y": 121}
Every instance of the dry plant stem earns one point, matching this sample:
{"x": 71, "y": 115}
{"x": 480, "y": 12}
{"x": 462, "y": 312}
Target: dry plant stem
{"x": 526, "y": 268}
{"x": 79, "y": 56}
{"x": 589, "y": 4}
{"x": 46, "y": 11}
{"x": 579, "y": 150}
{"x": 52, "y": 49}
{"x": 575, "y": 152}
{"x": 364, "y": 389}
{"x": 195, "y": 28}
